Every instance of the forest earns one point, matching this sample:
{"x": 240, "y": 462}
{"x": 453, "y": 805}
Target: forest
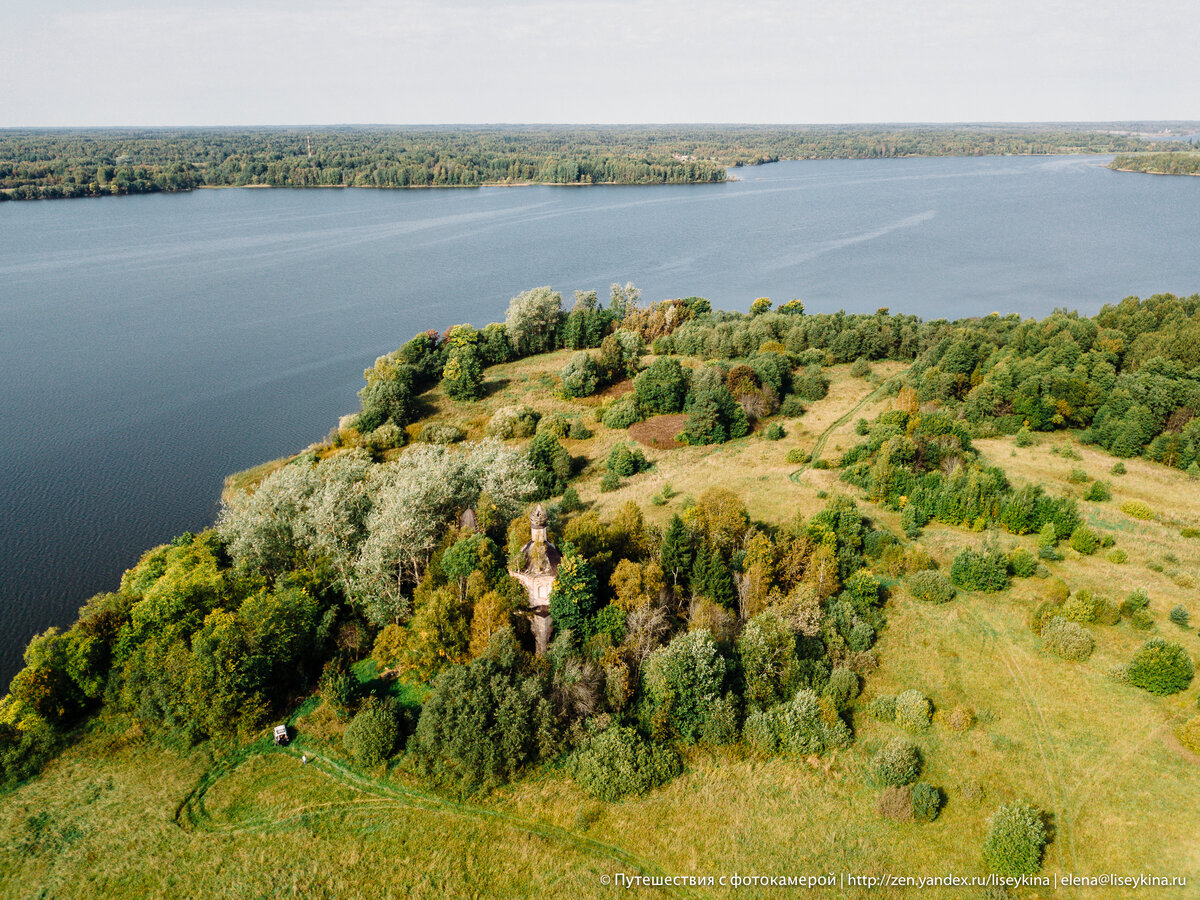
{"x": 57, "y": 163}
{"x": 713, "y": 626}
{"x": 1158, "y": 163}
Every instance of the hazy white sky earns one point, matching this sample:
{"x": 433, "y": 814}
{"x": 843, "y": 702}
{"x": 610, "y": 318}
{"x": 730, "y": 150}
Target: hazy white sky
{"x": 157, "y": 62}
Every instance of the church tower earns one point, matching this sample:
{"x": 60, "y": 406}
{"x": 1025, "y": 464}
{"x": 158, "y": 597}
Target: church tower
{"x": 540, "y": 567}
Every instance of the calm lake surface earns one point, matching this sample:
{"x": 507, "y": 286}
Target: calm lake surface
{"x": 151, "y": 345}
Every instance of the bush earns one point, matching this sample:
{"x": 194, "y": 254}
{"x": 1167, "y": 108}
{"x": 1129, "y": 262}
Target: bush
{"x": 1024, "y": 437}
{"x": 926, "y": 802}
{"x": 681, "y": 682}
{"x": 975, "y": 571}
{"x": 1077, "y": 476}
{"x": 899, "y": 762}
{"x": 1107, "y": 612}
{"x": 913, "y": 711}
{"x": 1016, "y": 837}
{"x": 860, "y": 368}
{"x": 799, "y": 727}
{"x": 1098, "y": 492}
{"x": 1080, "y": 607}
{"x": 618, "y": 761}
{"x": 1084, "y": 540}
{"x": 1118, "y": 468}
{"x": 555, "y": 424}
{"x": 610, "y": 482}
{"x": 1161, "y": 667}
{"x": 775, "y": 432}
{"x": 513, "y": 422}
{"x": 842, "y": 688}
{"x": 1189, "y": 734}
{"x": 960, "y": 719}
{"x": 441, "y": 433}
{"x": 1067, "y": 639}
{"x": 372, "y": 734}
{"x": 770, "y": 667}
{"x": 1189, "y": 532}
{"x": 623, "y": 413}
{"x": 580, "y": 376}
{"x": 797, "y": 455}
{"x": 1137, "y": 509}
{"x": 570, "y": 501}
{"x": 896, "y": 803}
{"x": 578, "y": 431}
{"x": 1137, "y": 600}
{"x": 792, "y": 407}
{"x": 1117, "y": 556}
{"x": 1022, "y": 563}
{"x": 1179, "y": 616}
{"x": 882, "y": 709}
{"x": 662, "y": 387}
{"x": 930, "y": 586}
{"x": 1142, "y": 620}
{"x": 626, "y": 461}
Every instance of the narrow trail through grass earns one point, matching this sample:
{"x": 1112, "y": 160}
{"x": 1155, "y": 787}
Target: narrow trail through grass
{"x": 382, "y": 795}
{"x": 819, "y": 445}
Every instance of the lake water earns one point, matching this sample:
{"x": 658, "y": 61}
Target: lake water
{"x": 151, "y": 345}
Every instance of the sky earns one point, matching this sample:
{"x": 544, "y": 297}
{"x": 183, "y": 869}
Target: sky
{"x": 268, "y": 62}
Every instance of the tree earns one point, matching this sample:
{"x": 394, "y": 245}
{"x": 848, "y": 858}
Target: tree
{"x": 760, "y": 306}
{"x": 767, "y": 650}
{"x": 682, "y": 683}
{"x": 580, "y": 376}
{"x": 662, "y": 387}
{"x": 574, "y": 598}
{"x": 550, "y": 465}
{"x": 533, "y": 320}
{"x": 678, "y": 550}
{"x": 462, "y": 376}
{"x": 389, "y": 394}
{"x": 623, "y": 300}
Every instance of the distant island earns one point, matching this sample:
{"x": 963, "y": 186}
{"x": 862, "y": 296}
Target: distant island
{"x": 39, "y": 164}
{"x": 1158, "y": 163}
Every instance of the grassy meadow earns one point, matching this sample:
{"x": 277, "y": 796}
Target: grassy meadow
{"x": 120, "y": 815}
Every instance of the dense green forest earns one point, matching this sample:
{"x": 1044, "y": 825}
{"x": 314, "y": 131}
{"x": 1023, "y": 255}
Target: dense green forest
{"x": 1158, "y": 163}
{"x": 38, "y": 164}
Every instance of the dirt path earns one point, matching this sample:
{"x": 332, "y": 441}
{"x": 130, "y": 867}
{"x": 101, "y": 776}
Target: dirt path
{"x": 379, "y": 794}
{"x": 823, "y": 437}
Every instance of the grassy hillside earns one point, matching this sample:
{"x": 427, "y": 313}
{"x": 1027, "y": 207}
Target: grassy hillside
{"x": 120, "y": 814}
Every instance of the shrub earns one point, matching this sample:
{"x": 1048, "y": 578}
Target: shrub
{"x": 770, "y": 667}
{"x": 580, "y": 376}
{"x": 626, "y": 461}
{"x": 610, "y": 482}
{"x": 899, "y": 762}
{"x": 775, "y": 432}
{"x": 1080, "y": 607}
{"x": 930, "y": 586}
{"x": 896, "y": 803}
{"x": 1107, "y": 612}
{"x": 1137, "y": 509}
{"x": 1084, "y": 540}
{"x": 513, "y": 422}
{"x": 441, "y": 433}
{"x": 1077, "y": 476}
{"x": 1098, "y": 492}
{"x": 975, "y": 571}
{"x": 860, "y": 368}
{"x": 913, "y": 711}
{"x": 1117, "y": 556}
{"x": 681, "y": 682}
{"x": 1016, "y": 837}
{"x": 1042, "y": 614}
{"x": 555, "y": 424}
{"x": 926, "y": 802}
{"x": 1142, "y": 620}
{"x": 882, "y": 709}
{"x": 618, "y": 761}
{"x": 842, "y": 688}
{"x": 1022, "y": 562}
{"x": 623, "y": 413}
{"x": 796, "y": 728}
{"x": 1067, "y": 639}
{"x": 792, "y": 407}
{"x": 578, "y": 431}
{"x": 1138, "y": 599}
{"x": 570, "y": 501}
{"x": 1189, "y": 532}
{"x": 1118, "y": 468}
{"x": 960, "y": 719}
{"x": 1189, "y": 734}
{"x": 797, "y": 455}
{"x": 1024, "y": 437}
{"x": 662, "y": 387}
{"x": 1161, "y": 667}
{"x": 372, "y": 734}
{"x": 1179, "y": 616}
